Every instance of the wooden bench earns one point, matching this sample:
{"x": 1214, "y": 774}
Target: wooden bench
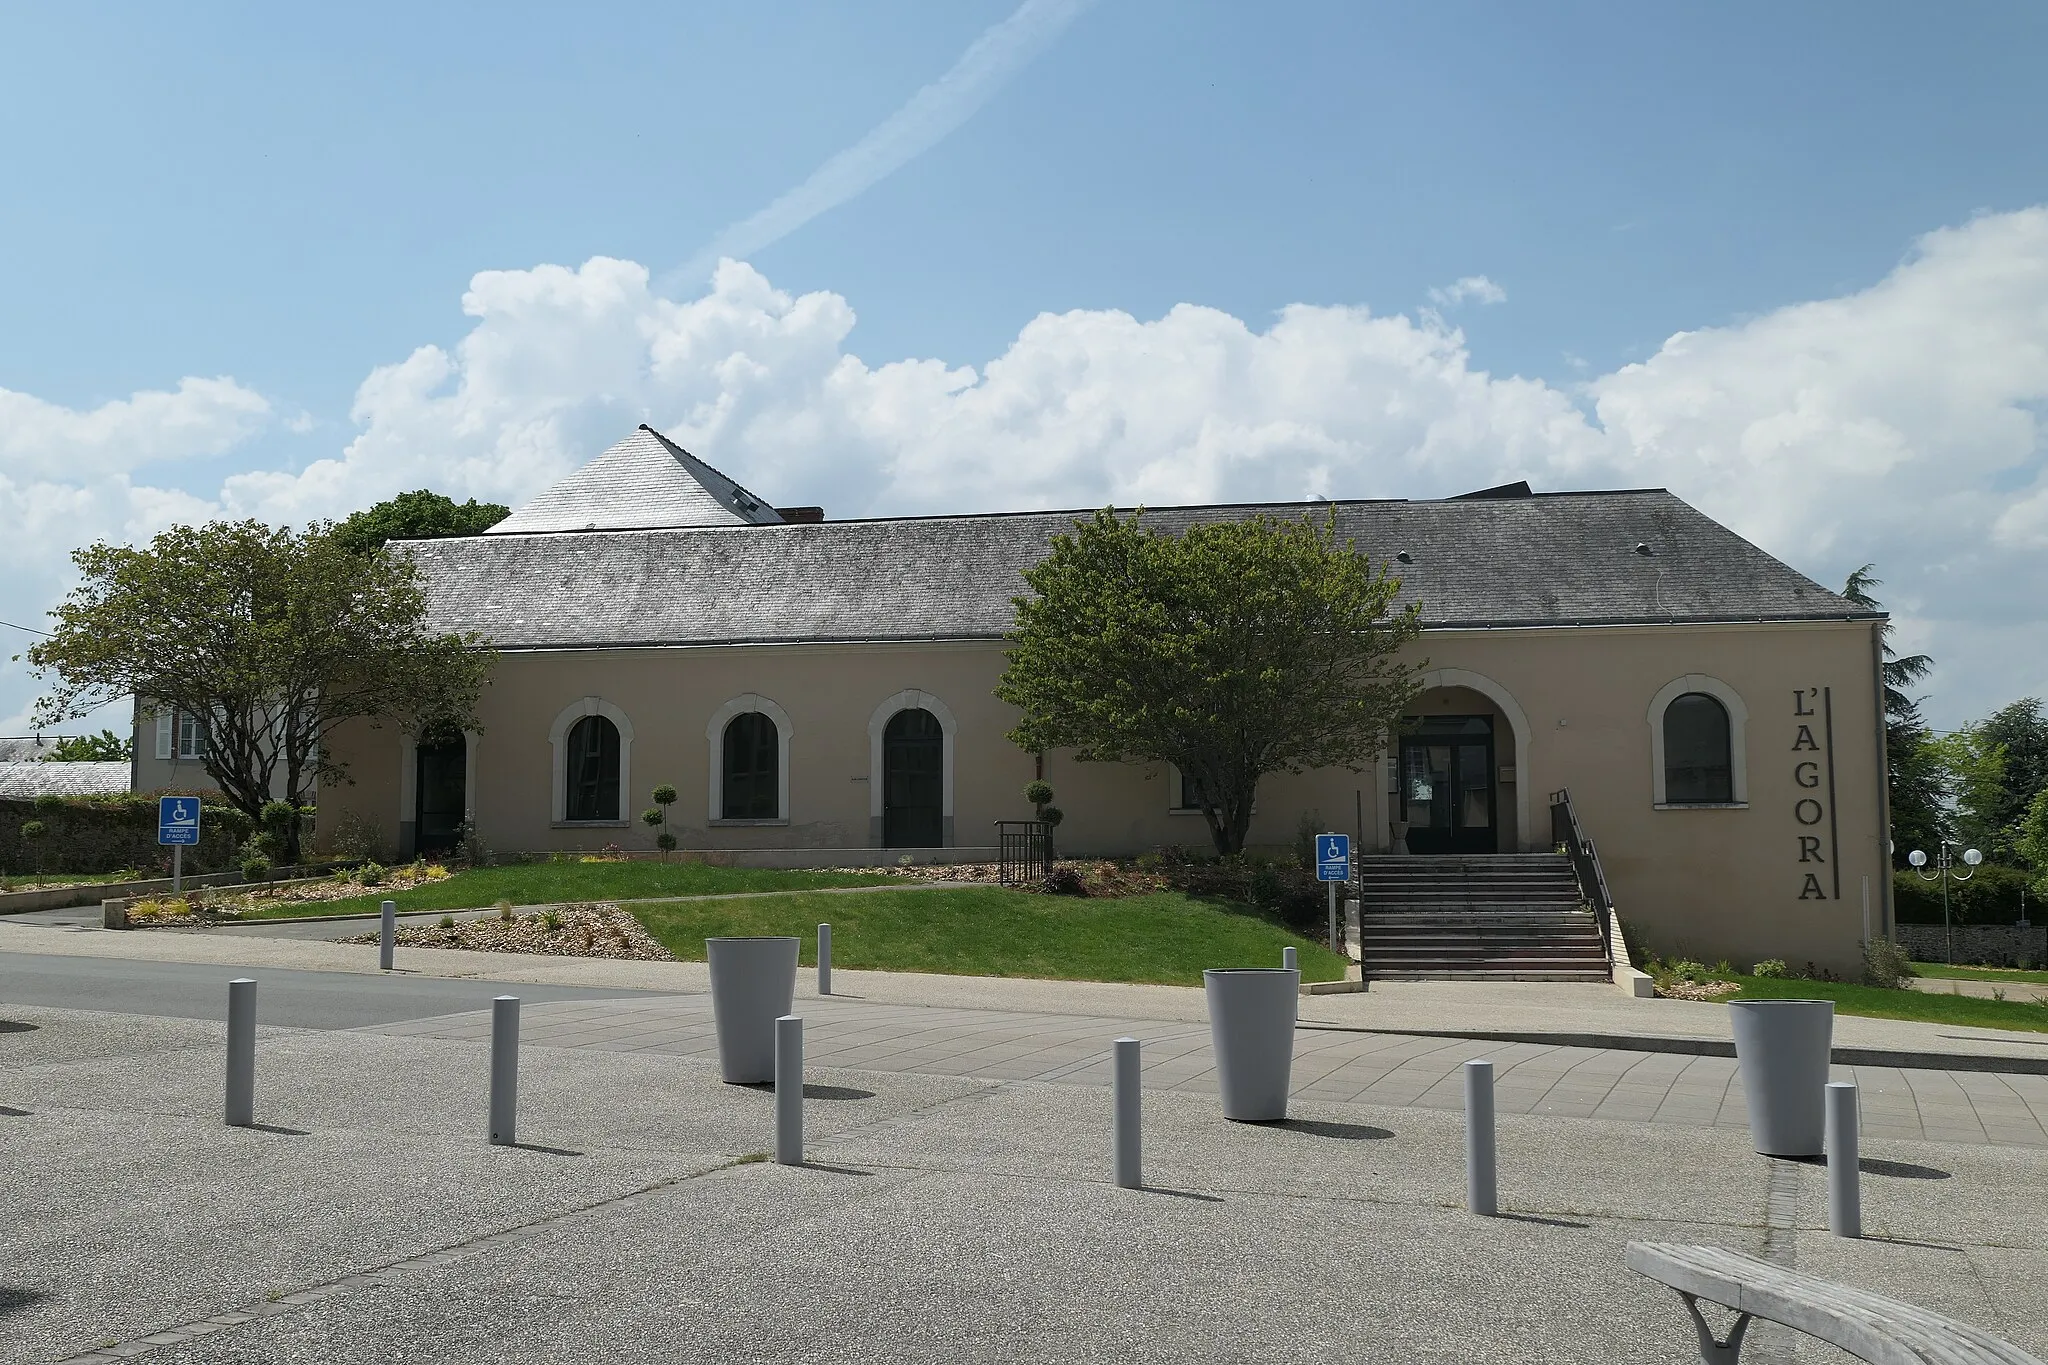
{"x": 1866, "y": 1325}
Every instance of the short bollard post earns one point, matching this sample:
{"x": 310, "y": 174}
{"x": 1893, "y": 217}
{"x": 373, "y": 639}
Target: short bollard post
{"x": 1290, "y": 960}
{"x": 824, "y": 959}
{"x": 1481, "y": 1195}
{"x": 387, "y": 936}
{"x": 1845, "y": 1194}
{"x": 241, "y": 1052}
{"x": 789, "y": 1090}
{"x": 504, "y": 1069}
{"x": 1130, "y": 1147}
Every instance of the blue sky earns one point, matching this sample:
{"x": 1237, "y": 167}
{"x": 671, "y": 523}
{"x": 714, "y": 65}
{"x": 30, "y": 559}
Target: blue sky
{"x": 290, "y": 199}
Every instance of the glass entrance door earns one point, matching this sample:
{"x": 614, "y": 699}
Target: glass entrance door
{"x": 1447, "y": 794}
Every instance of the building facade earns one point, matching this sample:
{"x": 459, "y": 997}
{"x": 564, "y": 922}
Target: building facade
{"x": 811, "y": 685}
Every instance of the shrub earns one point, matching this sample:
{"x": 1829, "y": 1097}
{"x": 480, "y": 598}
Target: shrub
{"x": 354, "y": 836}
{"x": 505, "y": 912}
{"x": 33, "y": 829}
{"x": 255, "y": 867}
{"x": 1063, "y": 881}
{"x": 665, "y": 841}
{"x": 1770, "y": 967}
{"x": 1991, "y": 896}
{"x": 49, "y": 803}
{"x": 1885, "y": 964}
{"x": 1038, "y": 793}
{"x": 370, "y": 874}
{"x": 1283, "y": 890}
{"x": 551, "y": 918}
{"x": 653, "y": 816}
{"x": 447, "y": 922}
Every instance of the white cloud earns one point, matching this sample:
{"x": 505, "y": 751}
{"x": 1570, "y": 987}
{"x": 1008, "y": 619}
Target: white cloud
{"x": 1899, "y": 424}
{"x": 201, "y": 417}
{"x": 1471, "y": 287}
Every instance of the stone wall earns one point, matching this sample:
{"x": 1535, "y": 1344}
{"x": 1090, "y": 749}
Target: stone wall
{"x": 1990, "y": 945}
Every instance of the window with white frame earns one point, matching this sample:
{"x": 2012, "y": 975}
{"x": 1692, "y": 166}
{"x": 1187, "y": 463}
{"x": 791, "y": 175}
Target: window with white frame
{"x": 180, "y": 735}
{"x": 1698, "y": 745}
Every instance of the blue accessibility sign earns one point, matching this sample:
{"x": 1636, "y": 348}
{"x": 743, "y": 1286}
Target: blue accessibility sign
{"x": 1333, "y": 857}
{"x": 177, "y": 820}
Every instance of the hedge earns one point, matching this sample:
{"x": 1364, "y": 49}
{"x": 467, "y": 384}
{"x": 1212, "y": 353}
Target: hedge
{"x": 110, "y": 834}
{"x": 1991, "y": 896}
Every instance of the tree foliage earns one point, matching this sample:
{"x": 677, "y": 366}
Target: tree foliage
{"x": 419, "y": 515}
{"x": 104, "y": 747}
{"x": 273, "y": 637}
{"x": 1917, "y": 779}
{"x": 2020, "y": 729}
{"x": 1231, "y": 651}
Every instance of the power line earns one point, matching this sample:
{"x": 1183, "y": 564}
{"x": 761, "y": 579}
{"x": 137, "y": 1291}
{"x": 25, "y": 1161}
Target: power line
{"x": 30, "y": 629}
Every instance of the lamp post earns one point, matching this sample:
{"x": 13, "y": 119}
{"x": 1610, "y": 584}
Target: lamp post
{"x": 1945, "y": 872}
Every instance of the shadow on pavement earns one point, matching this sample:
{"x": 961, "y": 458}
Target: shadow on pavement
{"x": 537, "y": 1147}
{"x": 17, "y": 1026}
{"x": 1546, "y": 1222}
{"x": 1901, "y": 1170}
{"x": 13, "y": 1298}
{"x": 1354, "y": 1132}
{"x": 1182, "y": 1194}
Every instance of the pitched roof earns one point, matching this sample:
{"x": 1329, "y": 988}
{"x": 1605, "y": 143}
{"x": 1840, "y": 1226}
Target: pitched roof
{"x": 24, "y": 748}
{"x": 23, "y": 781}
{"x": 644, "y": 480}
{"x": 1550, "y": 559}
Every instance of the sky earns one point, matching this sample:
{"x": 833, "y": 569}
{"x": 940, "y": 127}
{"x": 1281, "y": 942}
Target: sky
{"x": 1789, "y": 261}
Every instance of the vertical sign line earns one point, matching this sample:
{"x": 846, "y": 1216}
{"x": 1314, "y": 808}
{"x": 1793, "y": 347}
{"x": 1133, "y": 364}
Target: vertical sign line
{"x": 1827, "y": 708}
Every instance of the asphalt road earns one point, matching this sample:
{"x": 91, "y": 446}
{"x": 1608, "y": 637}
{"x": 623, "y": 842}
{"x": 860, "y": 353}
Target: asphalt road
{"x": 291, "y": 999}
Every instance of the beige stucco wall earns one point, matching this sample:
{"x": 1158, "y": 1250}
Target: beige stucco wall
{"x": 1571, "y": 709}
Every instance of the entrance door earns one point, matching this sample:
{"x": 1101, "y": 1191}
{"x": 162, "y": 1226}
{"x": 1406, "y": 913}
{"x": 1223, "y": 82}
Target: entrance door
{"x": 1447, "y": 785}
{"x": 913, "y": 781}
{"x": 441, "y": 795}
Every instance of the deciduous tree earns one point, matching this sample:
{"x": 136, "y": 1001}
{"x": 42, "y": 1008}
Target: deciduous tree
{"x": 273, "y": 637}
{"x": 419, "y": 515}
{"x": 1231, "y": 651}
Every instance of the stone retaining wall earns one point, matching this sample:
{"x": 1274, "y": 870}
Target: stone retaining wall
{"x": 1989, "y": 945}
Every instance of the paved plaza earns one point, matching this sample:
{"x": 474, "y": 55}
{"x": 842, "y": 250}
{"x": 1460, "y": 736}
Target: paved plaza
{"x": 956, "y": 1205}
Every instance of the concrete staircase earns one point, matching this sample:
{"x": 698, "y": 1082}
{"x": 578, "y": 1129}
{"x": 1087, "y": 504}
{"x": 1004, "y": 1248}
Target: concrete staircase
{"x": 1477, "y": 917}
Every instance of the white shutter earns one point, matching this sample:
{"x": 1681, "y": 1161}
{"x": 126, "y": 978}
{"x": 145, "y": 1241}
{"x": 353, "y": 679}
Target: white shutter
{"x": 163, "y": 734}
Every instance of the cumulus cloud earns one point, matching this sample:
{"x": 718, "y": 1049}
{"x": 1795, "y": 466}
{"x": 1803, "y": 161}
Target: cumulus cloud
{"x": 1900, "y": 424}
{"x": 1471, "y": 287}
{"x": 200, "y": 417}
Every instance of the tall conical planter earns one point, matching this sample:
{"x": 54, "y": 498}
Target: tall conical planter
{"x": 1782, "y": 1049}
{"x": 753, "y": 983}
{"x": 1251, "y": 1029}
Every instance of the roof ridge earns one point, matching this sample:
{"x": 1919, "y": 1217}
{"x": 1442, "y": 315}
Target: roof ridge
{"x": 689, "y": 460}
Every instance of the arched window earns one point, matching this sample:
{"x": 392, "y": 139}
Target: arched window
{"x": 590, "y": 777}
{"x": 1698, "y": 764}
{"x": 751, "y": 764}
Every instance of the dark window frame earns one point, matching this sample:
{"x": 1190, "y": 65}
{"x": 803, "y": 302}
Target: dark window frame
{"x": 1694, "y": 773}
{"x": 592, "y": 757}
{"x": 750, "y": 768}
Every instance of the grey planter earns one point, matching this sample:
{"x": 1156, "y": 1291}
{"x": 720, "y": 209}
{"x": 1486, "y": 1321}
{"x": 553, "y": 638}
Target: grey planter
{"x": 1782, "y": 1048}
{"x": 753, "y": 983}
{"x": 1251, "y": 1028}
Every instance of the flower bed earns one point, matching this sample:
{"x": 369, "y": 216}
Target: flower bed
{"x": 565, "y": 931}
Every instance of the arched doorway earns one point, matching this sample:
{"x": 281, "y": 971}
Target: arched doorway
{"x": 1447, "y": 792}
{"x": 440, "y": 794}
{"x": 913, "y": 780}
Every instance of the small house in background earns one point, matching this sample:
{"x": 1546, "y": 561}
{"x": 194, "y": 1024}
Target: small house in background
{"x": 25, "y": 774}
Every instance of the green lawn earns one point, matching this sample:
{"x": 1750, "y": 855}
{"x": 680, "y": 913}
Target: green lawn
{"x": 1942, "y": 971}
{"x": 1967, "y": 1011}
{"x": 1165, "y": 937}
{"x": 552, "y": 883}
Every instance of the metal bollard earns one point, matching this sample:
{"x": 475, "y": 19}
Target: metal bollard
{"x": 1845, "y": 1194}
{"x": 241, "y": 1106}
{"x": 1290, "y": 960}
{"x": 1481, "y": 1192}
{"x": 824, "y": 959}
{"x": 789, "y": 1090}
{"x": 1130, "y": 1133}
{"x": 504, "y": 1070}
{"x": 387, "y": 936}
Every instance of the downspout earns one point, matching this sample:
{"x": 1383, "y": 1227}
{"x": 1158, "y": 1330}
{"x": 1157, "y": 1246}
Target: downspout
{"x": 1884, "y": 784}
{"x": 135, "y": 745}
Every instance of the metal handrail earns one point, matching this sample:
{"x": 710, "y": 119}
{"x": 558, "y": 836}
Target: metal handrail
{"x": 1023, "y": 851}
{"x": 1567, "y": 833}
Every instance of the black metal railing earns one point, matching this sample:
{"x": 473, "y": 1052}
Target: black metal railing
{"x": 1023, "y": 851}
{"x": 1574, "y": 843}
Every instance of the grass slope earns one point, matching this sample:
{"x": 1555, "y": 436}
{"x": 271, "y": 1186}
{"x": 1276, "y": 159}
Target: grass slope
{"x": 553, "y": 883}
{"x": 1165, "y": 938}
{"x": 1965, "y": 1010}
{"x": 1941, "y": 971}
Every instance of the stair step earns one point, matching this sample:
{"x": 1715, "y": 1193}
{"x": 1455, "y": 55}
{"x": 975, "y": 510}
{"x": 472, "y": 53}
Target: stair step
{"x": 1487, "y": 974}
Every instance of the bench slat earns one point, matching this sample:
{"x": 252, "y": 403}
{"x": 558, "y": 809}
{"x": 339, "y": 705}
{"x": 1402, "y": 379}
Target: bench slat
{"x": 1878, "y": 1329}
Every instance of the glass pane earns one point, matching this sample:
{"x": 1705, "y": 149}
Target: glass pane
{"x": 1696, "y": 757}
{"x": 591, "y": 775}
{"x": 1428, "y": 786}
{"x": 751, "y": 784}
{"x": 1475, "y": 791}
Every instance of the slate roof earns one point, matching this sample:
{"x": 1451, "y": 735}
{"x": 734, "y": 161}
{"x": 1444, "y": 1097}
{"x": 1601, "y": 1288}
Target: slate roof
{"x": 644, "y": 480}
{"x": 24, "y": 748}
{"x": 24, "y": 781}
{"x": 1544, "y": 560}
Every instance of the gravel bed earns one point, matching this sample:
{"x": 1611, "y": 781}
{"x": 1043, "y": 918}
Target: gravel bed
{"x": 577, "y": 931}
